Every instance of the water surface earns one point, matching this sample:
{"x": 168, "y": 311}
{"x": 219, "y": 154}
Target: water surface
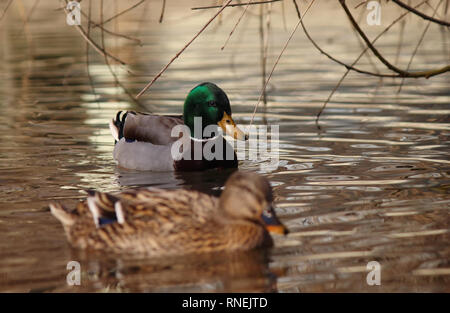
{"x": 373, "y": 185}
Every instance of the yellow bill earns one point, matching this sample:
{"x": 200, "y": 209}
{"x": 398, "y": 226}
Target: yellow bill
{"x": 230, "y": 128}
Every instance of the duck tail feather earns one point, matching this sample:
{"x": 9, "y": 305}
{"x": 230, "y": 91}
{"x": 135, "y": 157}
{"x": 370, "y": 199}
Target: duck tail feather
{"x": 66, "y": 218}
{"x": 117, "y": 124}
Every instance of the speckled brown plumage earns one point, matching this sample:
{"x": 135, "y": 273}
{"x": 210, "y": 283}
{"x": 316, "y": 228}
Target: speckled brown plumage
{"x": 159, "y": 222}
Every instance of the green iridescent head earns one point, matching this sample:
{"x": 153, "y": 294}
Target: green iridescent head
{"x": 210, "y": 103}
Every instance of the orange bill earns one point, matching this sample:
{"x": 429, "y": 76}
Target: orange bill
{"x": 273, "y": 225}
{"x": 277, "y": 229}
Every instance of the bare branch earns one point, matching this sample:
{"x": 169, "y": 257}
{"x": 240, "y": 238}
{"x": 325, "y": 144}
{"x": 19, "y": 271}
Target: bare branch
{"x": 6, "y": 9}
{"x": 123, "y": 12}
{"x": 360, "y": 4}
{"x": 263, "y": 56}
{"x": 418, "y": 45}
{"x": 422, "y": 15}
{"x": 392, "y": 67}
{"x": 138, "y": 41}
{"x": 181, "y": 51}
{"x": 88, "y": 70}
{"x": 93, "y": 44}
{"x": 237, "y": 23}
{"x": 351, "y": 67}
{"x": 278, "y": 59}
{"x": 333, "y": 58}
{"x": 234, "y": 5}
{"x": 162, "y": 11}
{"x": 116, "y": 79}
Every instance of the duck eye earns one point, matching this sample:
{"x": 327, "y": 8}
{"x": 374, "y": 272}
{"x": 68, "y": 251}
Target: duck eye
{"x": 212, "y": 103}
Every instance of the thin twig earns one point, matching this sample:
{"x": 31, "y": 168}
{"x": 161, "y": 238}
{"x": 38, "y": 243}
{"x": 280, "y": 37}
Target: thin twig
{"x": 425, "y": 74}
{"x": 233, "y": 5}
{"x": 237, "y": 23}
{"x": 278, "y": 59}
{"x": 266, "y": 46}
{"x": 435, "y": 14}
{"x": 30, "y": 13}
{"x": 262, "y": 53}
{"x": 162, "y": 11}
{"x": 268, "y": 28}
{"x": 136, "y": 40}
{"x": 422, "y": 15}
{"x": 28, "y": 35}
{"x": 91, "y": 82}
{"x": 392, "y": 67}
{"x": 400, "y": 41}
{"x": 141, "y": 20}
{"x": 139, "y": 42}
{"x": 333, "y": 58}
{"x": 368, "y": 43}
{"x": 356, "y": 61}
{"x": 6, "y": 9}
{"x": 116, "y": 79}
{"x": 93, "y": 44}
{"x": 377, "y": 87}
{"x": 181, "y": 51}
{"x": 362, "y": 45}
{"x": 220, "y": 2}
{"x": 36, "y": 2}
{"x": 123, "y": 12}
{"x": 443, "y": 30}
{"x": 360, "y": 4}
{"x": 418, "y": 45}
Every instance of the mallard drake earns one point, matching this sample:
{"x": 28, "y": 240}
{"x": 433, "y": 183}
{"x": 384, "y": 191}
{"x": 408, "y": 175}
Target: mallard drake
{"x": 144, "y": 141}
{"x": 158, "y": 222}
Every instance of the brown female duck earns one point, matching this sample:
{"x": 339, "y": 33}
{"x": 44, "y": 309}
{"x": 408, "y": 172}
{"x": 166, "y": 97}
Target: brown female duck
{"x": 158, "y": 222}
